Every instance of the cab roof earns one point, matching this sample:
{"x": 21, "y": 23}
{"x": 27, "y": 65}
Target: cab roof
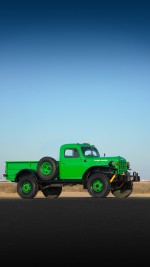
{"x": 77, "y": 145}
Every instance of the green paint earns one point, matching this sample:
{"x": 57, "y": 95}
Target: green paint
{"x": 26, "y": 187}
{"x": 97, "y": 186}
{"x": 74, "y": 161}
{"x": 46, "y": 168}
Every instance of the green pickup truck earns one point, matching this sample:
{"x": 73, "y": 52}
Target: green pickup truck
{"x": 77, "y": 164}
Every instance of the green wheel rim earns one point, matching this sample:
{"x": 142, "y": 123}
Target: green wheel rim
{"x": 46, "y": 168}
{"x": 97, "y": 186}
{"x": 26, "y": 187}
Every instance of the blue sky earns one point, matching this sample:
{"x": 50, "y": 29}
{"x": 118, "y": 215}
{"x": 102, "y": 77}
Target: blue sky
{"x": 75, "y": 71}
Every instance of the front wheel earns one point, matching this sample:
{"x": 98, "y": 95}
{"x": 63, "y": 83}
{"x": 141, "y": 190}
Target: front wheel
{"x": 51, "y": 192}
{"x": 98, "y": 185}
{"x": 27, "y": 187}
{"x": 123, "y": 190}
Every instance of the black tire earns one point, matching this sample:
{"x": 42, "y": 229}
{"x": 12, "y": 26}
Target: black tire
{"x": 98, "y": 185}
{"x": 123, "y": 190}
{"x": 47, "y": 168}
{"x": 27, "y": 187}
{"x": 52, "y": 192}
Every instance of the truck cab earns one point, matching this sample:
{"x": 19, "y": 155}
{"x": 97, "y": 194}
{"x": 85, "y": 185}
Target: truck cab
{"x": 74, "y": 160}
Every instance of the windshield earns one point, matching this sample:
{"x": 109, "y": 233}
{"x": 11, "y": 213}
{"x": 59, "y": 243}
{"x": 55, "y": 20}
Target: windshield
{"x": 90, "y": 152}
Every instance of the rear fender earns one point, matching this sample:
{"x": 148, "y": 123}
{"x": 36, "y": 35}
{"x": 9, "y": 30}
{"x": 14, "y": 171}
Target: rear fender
{"x": 25, "y": 172}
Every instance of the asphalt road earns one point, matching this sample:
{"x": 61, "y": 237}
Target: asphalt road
{"x": 74, "y": 231}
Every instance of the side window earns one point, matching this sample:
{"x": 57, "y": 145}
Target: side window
{"x": 75, "y": 153}
{"x": 71, "y": 153}
{"x": 87, "y": 153}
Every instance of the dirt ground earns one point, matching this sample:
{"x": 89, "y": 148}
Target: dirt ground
{"x": 67, "y": 194}
{"x": 8, "y": 190}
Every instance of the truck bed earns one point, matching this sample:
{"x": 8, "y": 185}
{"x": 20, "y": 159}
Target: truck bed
{"x": 13, "y": 167}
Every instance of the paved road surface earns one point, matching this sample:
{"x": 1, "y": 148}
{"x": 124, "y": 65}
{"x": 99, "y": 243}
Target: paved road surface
{"x": 74, "y": 231}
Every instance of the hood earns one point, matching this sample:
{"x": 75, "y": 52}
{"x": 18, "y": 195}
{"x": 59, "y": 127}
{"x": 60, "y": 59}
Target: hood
{"x": 105, "y": 161}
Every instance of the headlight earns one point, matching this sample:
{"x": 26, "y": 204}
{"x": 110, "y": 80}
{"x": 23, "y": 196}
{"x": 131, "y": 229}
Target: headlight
{"x": 111, "y": 164}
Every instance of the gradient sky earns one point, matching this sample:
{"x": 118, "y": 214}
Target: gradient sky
{"x": 75, "y": 71}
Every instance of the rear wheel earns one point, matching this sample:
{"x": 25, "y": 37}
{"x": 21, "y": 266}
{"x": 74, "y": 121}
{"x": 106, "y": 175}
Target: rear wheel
{"x": 98, "y": 185}
{"x": 123, "y": 190}
{"x": 27, "y": 187}
{"x": 47, "y": 168}
{"x": 51, "y": 192}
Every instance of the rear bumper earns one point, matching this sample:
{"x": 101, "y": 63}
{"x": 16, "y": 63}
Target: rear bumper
{"x": 128, "y": 177}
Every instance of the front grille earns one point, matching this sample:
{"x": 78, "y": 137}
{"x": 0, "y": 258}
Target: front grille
{"x": 122, "y": 167}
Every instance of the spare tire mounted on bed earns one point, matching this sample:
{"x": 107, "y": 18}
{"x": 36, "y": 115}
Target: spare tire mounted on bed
{"x": 47, "y": 168}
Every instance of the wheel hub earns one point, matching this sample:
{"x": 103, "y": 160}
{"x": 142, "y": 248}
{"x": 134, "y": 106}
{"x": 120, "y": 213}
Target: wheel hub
{"x": 26, "y": 187}
{"x": 97, "y": 186}
{"x": 46, "y": 168}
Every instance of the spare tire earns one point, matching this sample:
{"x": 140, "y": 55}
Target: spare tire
{"x": 47, "y": 168}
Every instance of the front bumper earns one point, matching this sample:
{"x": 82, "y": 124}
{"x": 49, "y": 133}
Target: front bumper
{"x": 136, "y": 177}
{"x": 128, "y": 177}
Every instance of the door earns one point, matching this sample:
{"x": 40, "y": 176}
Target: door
{"x": 72, "y": 165}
